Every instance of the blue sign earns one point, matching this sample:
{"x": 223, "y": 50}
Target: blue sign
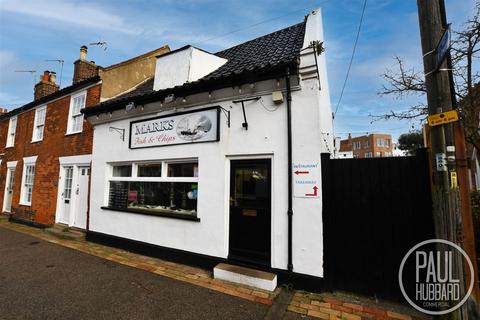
{"x": 443, "y": 47}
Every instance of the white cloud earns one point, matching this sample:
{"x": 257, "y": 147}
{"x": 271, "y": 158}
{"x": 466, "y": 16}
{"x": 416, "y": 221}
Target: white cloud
{"x": 69, "y": 12}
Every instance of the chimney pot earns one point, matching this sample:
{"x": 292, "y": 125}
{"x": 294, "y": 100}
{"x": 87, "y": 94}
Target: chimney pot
{"x": 46, "y": 76}
{"x": 83, "y": 53}
{"x": 53, "y": 77}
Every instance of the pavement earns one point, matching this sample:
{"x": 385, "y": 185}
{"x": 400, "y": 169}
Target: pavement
{"x": 40, "y": 280}
{"x": 45, "y": 277}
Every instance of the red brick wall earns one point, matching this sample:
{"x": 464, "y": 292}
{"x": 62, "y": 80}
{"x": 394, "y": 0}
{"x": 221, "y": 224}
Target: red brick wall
{"x": 55, "y": 144}
{"x": 44, "y": 88}
{"x": 83, "y": 70}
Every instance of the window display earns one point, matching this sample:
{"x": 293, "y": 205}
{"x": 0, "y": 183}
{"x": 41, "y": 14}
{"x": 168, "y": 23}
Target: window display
{"x": 155, "y": 197}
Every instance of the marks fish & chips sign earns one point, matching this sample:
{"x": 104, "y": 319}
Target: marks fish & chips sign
{"x": 180, "y": 128}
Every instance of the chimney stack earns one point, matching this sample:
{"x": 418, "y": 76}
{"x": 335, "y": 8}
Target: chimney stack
{"x": 3, "y": 110}
{"x": 84, "y": 69}
{"x": 46, "y": 85}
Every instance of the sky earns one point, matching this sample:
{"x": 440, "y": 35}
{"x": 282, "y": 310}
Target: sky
{"x": 33, "y": 31}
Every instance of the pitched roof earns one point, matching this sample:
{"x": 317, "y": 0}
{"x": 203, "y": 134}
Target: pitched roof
{"x": 63, "y": 92}
{"x": 255, "y": 57}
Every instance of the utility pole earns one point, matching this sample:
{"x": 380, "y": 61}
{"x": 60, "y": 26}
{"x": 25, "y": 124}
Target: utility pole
{"x": 439, "y": 100}
{"x": 446, "y": 198}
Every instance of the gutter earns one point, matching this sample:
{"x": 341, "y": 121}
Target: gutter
{"x": 290, "y": 177}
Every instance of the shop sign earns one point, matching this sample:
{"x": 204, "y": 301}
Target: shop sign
{"x": 180, "y": 128}
{"x": 306, "y": 179}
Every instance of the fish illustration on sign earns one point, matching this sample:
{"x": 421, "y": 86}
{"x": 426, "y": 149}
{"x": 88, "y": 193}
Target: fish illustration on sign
{"x": 193, "y": 127}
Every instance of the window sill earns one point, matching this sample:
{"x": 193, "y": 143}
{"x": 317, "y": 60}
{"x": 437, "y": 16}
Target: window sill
{"x": 73, "y": 133}
{"x": 6, "y": 147}
{"x": 25, "y": 204}
{"x": 153, "y": 213}
{"x": 36, "y": 141}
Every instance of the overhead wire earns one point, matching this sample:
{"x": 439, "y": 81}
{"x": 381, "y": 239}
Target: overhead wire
{"x": 351, "y": 58}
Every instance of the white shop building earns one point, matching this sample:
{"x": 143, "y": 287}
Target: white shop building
{"x": 196, "y": 160}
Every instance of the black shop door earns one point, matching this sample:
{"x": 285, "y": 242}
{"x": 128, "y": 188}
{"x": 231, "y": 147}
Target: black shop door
{"x": 250, "y": 202}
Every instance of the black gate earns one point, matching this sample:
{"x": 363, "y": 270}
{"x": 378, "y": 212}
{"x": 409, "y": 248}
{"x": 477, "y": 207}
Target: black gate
{"x": 375, "y": 210}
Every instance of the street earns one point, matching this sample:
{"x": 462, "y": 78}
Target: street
{"x": 40, "y": 280}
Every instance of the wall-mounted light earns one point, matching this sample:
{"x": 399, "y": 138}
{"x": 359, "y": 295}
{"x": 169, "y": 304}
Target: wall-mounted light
{"x": 130, "y": 106}
{"x": 169, "y": 98}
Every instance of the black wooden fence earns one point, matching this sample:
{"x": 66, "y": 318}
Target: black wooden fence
{"x": 375, "y": 210}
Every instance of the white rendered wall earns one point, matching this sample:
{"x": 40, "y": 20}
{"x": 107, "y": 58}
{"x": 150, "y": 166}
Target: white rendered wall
{"x": 187, "y": 65}
{"x": 266, "y": 137}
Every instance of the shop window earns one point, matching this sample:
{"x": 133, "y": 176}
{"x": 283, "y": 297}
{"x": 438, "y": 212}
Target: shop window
{"x": 122, "y": 170}
{"x": 150, "y": 170}
{"x": 187, "y": 169}
{"x": 148, "y": 189}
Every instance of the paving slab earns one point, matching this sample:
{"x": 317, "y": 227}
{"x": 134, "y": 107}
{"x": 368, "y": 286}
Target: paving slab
{"x": 40, "y": 280}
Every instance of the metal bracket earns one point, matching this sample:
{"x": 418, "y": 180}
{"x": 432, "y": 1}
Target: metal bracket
{"x": 245, "y": 123}
{"x": 227, "y": 114}
{"x": 121, "y": 131}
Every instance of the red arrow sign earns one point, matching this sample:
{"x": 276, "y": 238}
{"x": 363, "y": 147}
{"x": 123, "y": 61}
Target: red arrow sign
{"x": 301, "y": 172}
{"x": 314, "y": 194}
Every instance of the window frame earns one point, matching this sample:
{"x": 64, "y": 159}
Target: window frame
{"x": 163, "y": 178}
{"x": 27, "y": 162}
{"x": 72, "y": 116}
{"x": 11, "y": 133}
{"x": 36, "y": 126}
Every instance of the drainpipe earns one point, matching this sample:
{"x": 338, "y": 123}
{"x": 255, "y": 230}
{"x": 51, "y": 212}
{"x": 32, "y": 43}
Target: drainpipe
{"x": 290, "y": 178}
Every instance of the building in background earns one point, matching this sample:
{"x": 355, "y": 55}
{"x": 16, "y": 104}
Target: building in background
{"x": 46, "y": 144}
{"x": 368, "y": 146}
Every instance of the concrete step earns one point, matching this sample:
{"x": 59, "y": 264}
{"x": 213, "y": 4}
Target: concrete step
{"x": 251, "y": 277}
{"x": 64, "y": 232}
{"x": 4, "y": 216}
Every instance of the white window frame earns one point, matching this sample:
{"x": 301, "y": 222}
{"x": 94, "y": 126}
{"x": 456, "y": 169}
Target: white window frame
{"x": 72, "y": 116}
{"x": 134, "y": 176}
{"x": 11, "y": 132}
{"x": 27, "y": 162}
{"x": 39, "y": 126}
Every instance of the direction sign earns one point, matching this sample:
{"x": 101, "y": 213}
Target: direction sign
{"x": 442, "y": 118}
{"x": 442, "y": 47}
{"x": 306, "y": 179}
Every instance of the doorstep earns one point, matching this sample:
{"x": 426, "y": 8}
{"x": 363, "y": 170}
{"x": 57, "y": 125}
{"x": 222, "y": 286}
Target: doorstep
{"x": 247, "y": 276}
{"x": 63, "y": 231}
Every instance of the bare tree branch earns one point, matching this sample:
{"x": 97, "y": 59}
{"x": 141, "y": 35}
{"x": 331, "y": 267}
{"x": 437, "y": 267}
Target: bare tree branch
{"x": 402, "y": 81}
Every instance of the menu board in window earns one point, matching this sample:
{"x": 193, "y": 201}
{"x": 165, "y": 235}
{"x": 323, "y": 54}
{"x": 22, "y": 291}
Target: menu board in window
{"x": 180, "y": 128}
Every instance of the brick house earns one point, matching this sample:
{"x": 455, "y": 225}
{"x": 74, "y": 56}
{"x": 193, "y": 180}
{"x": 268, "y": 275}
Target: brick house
{"x": 46, "y": 144}
{"x": 368, "y": 146}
